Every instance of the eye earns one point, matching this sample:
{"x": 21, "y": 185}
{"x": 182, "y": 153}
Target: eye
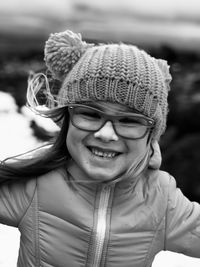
{"x": 88, "y": 114}
{"x": 130, "y": 121}
{"x": 91, "y": 115}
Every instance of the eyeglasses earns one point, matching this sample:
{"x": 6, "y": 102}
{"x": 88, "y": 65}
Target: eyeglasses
{"x": 126, "y": 125}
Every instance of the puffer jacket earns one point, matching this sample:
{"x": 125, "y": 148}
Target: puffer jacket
{"x": 65, "y": 223}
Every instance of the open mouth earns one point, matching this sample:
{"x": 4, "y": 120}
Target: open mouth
{"x": 106, "y": 154}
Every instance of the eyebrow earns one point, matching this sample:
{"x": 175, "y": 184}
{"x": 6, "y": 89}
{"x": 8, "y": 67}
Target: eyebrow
{"x": 102, "y": 108}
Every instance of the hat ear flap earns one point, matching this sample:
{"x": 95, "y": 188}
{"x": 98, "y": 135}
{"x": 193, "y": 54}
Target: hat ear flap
{"x": 62, "y": 51}
{"x": 155, "y": 156}
{"x": 164, "y": 67}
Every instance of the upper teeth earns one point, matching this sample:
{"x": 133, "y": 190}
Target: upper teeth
{"x": 103, "y": 154}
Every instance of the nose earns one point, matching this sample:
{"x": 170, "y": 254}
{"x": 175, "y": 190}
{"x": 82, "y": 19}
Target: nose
{"x": 107, "y": 133}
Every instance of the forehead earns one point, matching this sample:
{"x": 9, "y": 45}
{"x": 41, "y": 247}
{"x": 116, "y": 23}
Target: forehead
{"x": 109, "y": 107}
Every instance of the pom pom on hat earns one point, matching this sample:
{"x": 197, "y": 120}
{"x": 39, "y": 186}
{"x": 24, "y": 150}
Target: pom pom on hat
{"x": 62, "y": 51}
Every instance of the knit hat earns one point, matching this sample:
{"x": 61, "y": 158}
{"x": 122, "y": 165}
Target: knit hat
{"x": 117, "y": 73}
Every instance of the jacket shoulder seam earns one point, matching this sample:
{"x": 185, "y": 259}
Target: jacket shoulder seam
{"x": 166, "y": 215}
{"x": 152, "y": 241}
{"x": 28, "y": 206}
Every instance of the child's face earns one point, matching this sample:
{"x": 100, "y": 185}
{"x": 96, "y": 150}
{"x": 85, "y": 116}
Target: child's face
{"x": 103, "y": 155}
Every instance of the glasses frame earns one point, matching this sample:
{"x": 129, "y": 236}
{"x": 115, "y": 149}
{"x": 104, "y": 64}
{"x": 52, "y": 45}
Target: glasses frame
{"x": 111, "y": 118}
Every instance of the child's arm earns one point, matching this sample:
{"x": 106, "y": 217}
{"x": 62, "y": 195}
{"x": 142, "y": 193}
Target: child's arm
{"x": 15, "y": 198}
{"x": 182, "y": 223}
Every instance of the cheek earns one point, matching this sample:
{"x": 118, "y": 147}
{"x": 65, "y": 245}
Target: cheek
{"x": 137, "y": 147}
{"x": 74, "y": 140}
{"x": 71, "y": 139}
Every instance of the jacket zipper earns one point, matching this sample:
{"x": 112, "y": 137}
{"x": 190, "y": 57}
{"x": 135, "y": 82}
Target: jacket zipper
{"x": 101, "y": 225}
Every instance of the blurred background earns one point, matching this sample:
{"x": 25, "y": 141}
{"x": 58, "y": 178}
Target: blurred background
{"x": 168, "y": 29}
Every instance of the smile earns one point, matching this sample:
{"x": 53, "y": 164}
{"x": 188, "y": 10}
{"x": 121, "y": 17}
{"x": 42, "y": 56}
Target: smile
{"x": 103, "y": 154}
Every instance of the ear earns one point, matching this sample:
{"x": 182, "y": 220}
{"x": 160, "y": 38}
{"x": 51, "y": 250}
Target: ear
{"x": 155, "y": 156}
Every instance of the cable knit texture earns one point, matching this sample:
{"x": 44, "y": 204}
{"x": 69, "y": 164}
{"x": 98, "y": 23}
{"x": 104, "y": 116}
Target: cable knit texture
{"x": 117, "y": 73}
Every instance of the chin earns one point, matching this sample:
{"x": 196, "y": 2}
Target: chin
{"x": 101, "y": 175}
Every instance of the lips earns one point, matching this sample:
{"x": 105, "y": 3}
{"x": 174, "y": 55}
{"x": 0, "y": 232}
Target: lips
{"x": 104, "y": 153}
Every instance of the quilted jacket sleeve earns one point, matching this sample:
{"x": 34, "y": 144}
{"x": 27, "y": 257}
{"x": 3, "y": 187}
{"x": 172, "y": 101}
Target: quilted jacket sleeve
{"x": 15, "y": 199}
{"x": 182, "y": 223}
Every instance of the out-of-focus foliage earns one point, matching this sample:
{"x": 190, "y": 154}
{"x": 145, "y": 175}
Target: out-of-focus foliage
{"x": 14, "y": 72}
{"x": 181, "y": 143}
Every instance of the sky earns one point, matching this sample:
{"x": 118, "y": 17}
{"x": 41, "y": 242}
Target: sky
{"x": 43, "y": 7}
{"x": 160, "y": 8}
{"x": 174, "y": 20}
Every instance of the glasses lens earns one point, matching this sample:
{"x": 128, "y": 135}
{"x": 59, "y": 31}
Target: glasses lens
{"x": 131, "y": 131}
{"x": 86, "y": 118}
{"x": 134, "y": 126}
